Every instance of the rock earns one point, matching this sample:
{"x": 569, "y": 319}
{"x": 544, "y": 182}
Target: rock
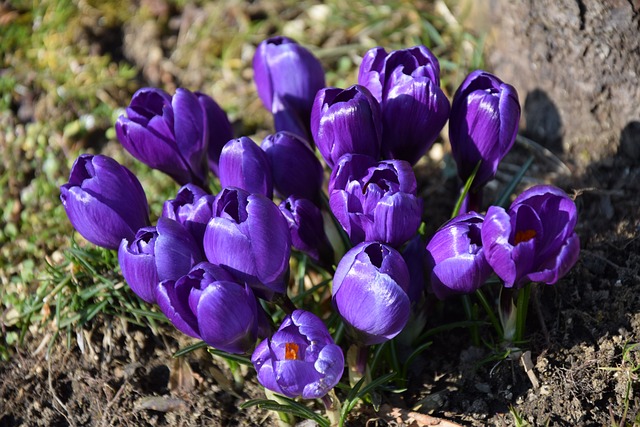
{"x": 576, "y": 66}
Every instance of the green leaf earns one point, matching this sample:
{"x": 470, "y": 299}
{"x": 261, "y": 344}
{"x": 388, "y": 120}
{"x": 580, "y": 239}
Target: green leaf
{"x": 465, "y": 190}
{"x": 190, "y": 348}
{"x": 412, "y": 357}
{"x": 228, "y": 356}
{"x": 289, "y": 406}
{"x": 504, "y": 197}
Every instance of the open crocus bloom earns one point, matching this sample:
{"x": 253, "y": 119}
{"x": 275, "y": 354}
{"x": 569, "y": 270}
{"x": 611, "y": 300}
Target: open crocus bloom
{"x": 300, "y": 359}
{"x": 535, "y": 239}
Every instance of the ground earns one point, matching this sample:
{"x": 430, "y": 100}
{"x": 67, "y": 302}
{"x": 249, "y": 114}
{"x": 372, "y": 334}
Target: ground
{"x": 61, "y": 366}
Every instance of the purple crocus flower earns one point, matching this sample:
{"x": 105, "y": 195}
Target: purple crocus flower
{"x": 192, "y": 208}
{"x": 346, "y": 121}
{"x": 294, "y": 166}
{"x": 370, "y": 292}
{"x": 307, "y": 229}
{"x": 245, "y": 165}
{"x": 220, "y": 129}
{"x": 375, "y": 200}
{"x": 287, "y": 77}
{"x": 300, "y": 359}
{"x": 406, "y": 83}
{"x": 104, "y": 201}
{"x": 250, "y": 238}
{"x": 165, "y": 252}
{"x": 208, "y": 304}
{"x": 456, "y": 257}
{"x": 138, "y": 263}
{"x": 483, "y": 125}
{"x": 534, "y": 241}
{"x": 176, "y": 250}
{"x": 167, "y": 133}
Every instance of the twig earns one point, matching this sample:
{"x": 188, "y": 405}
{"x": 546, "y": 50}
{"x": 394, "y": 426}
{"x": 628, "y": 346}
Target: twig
{"x": 413, "y": 419}
{"x": 103, "y": 419}
{"x": 528, "y": 369}
{"x": 67, "y": 416}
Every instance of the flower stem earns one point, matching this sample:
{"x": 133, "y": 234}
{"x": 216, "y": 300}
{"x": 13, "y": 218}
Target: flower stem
{"x": 487, "y": 308}
{"x": 238, "y": 376}
{"x": 333, "y": 407}
{"x": 357, "y": 356}
{"x": 284, "y": 302}
{"x": 522, "y": 306}
{"x": 508, "y": 314}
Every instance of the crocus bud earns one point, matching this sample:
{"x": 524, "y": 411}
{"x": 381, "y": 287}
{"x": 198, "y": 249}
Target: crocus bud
{"x": 375, "y": 200}
{"x": 167, "y": 133}
{"x": 164, "y": 252}
{"x": 176, "y": 250}
{"x": 534, "y": 241}
{"x": 219, "y": 129}
{"x": 192, "y": 208}
{"x": 346, "y": 121}
{"x": 295, "y": 169}
{"x": 244, "y": 165}
{"x": 300, "y": 359}
{"x": 307, "y": 229}
{"x": 483, "y": 125}
{"x": 406, "y": 83}
{"x": 208, "y": 304}
{"x": 104, "y": 201}
{"x": 370, "y": 292}
{"x": 138, "y": 263}
{"x": 250, "y": 238}
{"x": 456, "y": 259}
{"x": 287, "y": 77}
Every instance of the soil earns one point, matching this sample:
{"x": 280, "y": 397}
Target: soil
{"x": 580, "y": 374}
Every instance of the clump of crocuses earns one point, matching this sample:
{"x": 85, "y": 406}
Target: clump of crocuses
{"x": 219, "y": 265}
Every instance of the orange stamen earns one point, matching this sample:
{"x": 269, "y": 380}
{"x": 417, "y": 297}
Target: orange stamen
{"x": 291, "y": 351}
{"x": 525, "y": 236}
